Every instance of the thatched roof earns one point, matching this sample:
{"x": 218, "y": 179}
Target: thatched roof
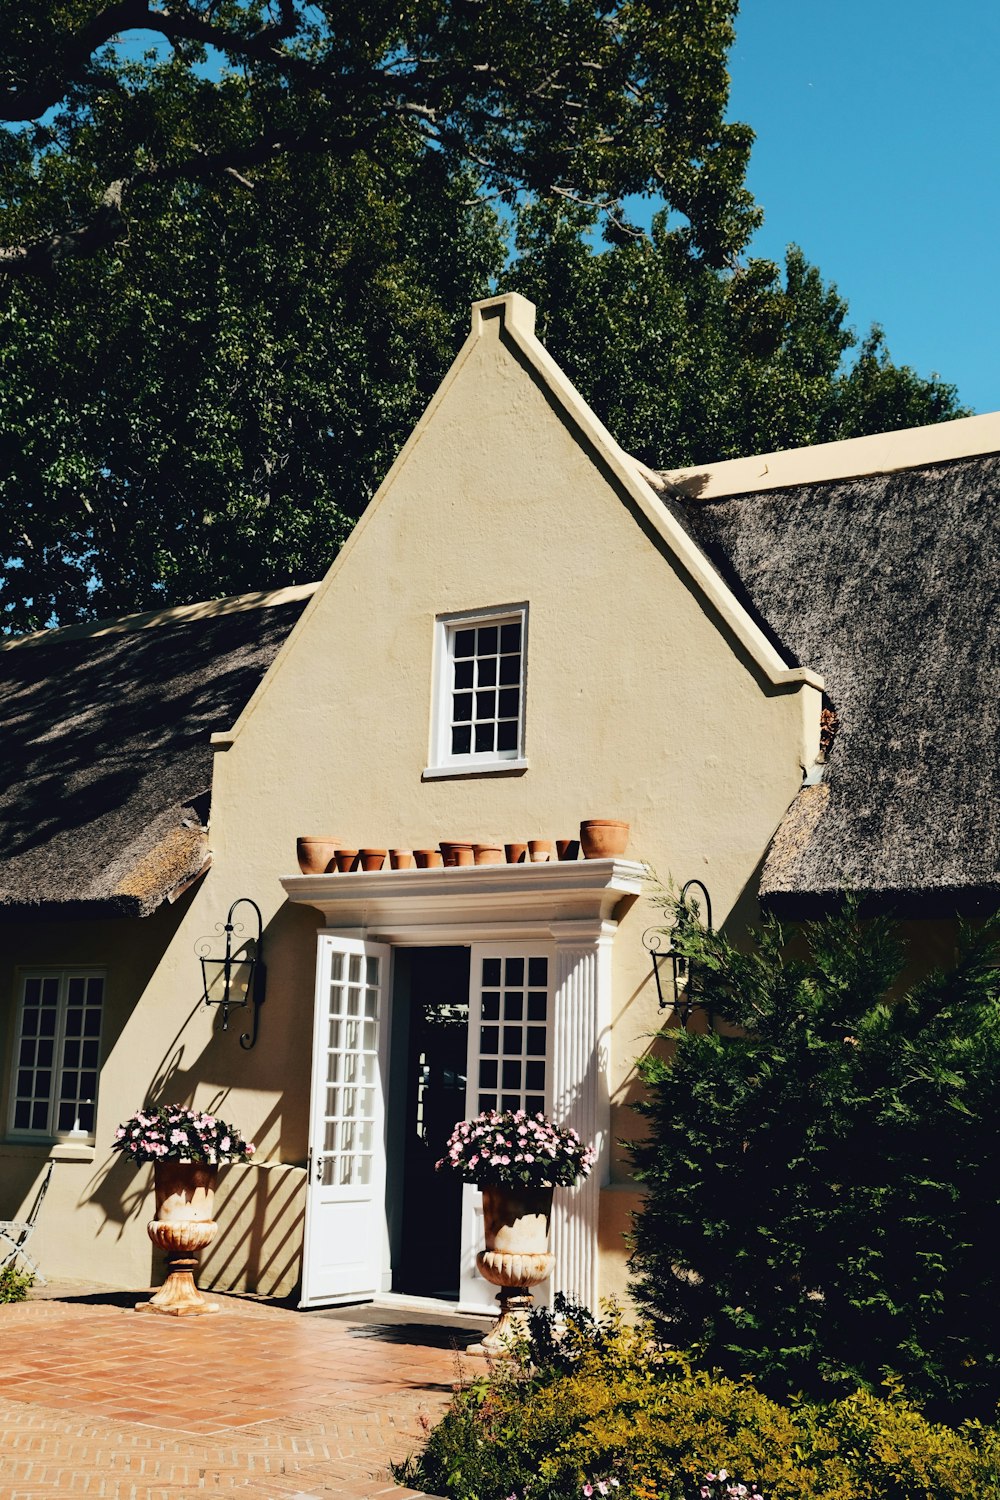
{"x": 888, "y": 585}
{"x": 104, "y": 743}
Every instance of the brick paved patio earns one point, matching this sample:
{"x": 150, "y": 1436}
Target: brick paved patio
{"x": 261, "y": 1402}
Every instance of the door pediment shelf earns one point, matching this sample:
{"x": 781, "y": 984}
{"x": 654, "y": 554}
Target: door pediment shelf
{"x": 462, "y": 903}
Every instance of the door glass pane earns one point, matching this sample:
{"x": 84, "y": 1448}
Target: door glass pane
{"x": 511, "y": 1065}
{"x": 352, "y": 1059}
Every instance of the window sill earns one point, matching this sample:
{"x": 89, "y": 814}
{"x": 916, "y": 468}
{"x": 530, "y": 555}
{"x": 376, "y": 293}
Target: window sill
{"x": 50, "y": 1150}
{"x": 476, "y": 768}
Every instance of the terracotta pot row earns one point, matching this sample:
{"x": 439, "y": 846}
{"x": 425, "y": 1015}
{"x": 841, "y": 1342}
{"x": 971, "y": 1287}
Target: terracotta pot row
{"x": 599, "y": 838}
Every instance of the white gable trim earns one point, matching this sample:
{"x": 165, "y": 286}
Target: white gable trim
{"x": 850, "y": 458}
{"x": 517, "y": 319}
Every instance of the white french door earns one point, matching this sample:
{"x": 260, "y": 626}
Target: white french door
{"x": 509, "y": 1065}
{"x": 345, "y": 1235}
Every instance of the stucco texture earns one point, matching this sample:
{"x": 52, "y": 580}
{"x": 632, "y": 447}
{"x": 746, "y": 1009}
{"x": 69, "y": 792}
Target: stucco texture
{"x": 642, "y": 704}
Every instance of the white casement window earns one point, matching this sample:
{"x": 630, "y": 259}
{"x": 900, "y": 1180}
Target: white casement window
{"x": 57, "y": 1053}
{"x": 479, "y": 692}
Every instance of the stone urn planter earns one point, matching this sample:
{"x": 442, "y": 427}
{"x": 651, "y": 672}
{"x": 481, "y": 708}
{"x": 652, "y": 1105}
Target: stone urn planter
{"x": 515, "y": 1159}
{"x": 186, "y": 1148}
{"x": 183, "y": 1227}
{"x": 516, "y": 1228}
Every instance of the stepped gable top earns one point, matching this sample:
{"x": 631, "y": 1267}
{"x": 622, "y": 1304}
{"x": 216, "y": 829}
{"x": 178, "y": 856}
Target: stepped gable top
{"x": 888, "y": 584}
{"x": 105, "y": 744}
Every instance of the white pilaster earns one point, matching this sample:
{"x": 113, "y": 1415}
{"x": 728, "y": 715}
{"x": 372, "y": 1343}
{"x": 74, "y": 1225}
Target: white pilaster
{"x": 580, "y": 1095}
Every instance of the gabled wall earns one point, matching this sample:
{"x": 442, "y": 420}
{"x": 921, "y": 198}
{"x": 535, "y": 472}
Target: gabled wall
{"x": 650, "y": 698}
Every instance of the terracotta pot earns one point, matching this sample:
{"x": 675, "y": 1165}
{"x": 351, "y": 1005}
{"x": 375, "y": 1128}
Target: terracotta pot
{"x": 540, "y": 850}
{"x": 488, "y": 854}
{"x": 457, "y": 854}
{"x": 315, "y": 855}
{"x": 516, "y": 853}
{"x": 346, "y": 859}
{"x": 601, "y": 838}
{"x": 183, "y": 1226}
{"x": 428, "y": 859}
{"x": 568, "y": 848}
{"x": 372, "y": 859}
{"x": 516, "y": 1227}
{"x": 401, "y": 859}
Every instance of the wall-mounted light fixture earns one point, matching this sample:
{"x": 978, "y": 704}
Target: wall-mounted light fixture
{"x": 238, "y": 978}
{"x": 683, "y": 997}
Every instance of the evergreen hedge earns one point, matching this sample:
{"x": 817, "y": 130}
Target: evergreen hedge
{"x": 822, "y": 1203}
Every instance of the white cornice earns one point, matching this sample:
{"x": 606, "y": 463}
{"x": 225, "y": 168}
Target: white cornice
{"x": 850, "y": 458}
{"x": 469, "y": 903}
{"x": 180, "y": 614}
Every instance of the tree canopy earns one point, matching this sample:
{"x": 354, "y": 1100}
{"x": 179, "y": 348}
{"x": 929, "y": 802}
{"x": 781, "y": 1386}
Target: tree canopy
{"x": 551, "y": 97}
{"x": 234, "y": 266}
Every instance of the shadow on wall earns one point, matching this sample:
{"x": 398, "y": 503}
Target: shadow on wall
{"x": 259, "y": 1208}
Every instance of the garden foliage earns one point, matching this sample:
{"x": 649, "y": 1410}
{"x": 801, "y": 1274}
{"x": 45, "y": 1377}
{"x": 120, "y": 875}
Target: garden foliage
{"x": 14, "y": 1284}
{"x": 600, "y": 1404}
{"x": 822, "y": 1202}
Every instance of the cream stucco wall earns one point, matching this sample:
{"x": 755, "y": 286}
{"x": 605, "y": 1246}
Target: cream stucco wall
{"x": 648, "y": 699}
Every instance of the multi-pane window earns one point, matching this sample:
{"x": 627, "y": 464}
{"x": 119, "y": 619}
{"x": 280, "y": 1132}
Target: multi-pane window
{"x": 57, "y": 1053}
{"x": 481, "y": 688}
{"x": 514, "y": 1006}
{"x": 351, "y": 1071}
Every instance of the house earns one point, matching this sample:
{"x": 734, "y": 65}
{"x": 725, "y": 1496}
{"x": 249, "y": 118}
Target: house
{"x": 781, "y": 671}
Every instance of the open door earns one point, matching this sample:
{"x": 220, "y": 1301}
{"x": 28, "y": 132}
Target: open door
{"x": 345, "y": 1235}
{"x": 509, "y": 1067}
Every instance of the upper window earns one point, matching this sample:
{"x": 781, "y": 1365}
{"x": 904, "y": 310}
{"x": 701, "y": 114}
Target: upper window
{"x": 57, "y": 1053}
{"x": 479, "y": 712}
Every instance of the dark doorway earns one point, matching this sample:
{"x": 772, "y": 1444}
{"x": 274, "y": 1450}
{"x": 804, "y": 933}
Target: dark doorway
{"x": 437, "y": 979}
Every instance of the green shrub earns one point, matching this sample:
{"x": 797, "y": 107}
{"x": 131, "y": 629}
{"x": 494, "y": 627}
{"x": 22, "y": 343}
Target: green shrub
{"x": 14, "y": 1284}
{"x": 608, "y": 1407}
{"x": 822, "y": 1205}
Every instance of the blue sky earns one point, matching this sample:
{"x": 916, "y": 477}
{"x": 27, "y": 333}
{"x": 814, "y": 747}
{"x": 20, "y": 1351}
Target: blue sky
{"x": 878, "y": 149}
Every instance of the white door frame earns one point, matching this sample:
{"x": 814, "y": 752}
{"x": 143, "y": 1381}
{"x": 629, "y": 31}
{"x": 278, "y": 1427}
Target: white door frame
{"x": 345, "y": 1178}
{"x": 570, "y": 906}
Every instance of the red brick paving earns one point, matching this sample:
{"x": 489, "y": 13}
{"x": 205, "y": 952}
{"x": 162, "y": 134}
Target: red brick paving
{"x": 260, "y": 1403}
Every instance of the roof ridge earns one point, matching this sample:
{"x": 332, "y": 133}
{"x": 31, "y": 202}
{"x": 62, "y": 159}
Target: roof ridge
{"x": 172, "y": 615}
{"x": 847, "y": 458}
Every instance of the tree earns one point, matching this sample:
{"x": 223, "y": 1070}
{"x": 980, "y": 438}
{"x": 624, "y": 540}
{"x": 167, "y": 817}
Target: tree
{"x": 233, "y": 269}
{"x": 686, "y": 363}
{"x": 822, "y": 1207}
{"x": 558, "y": 98}
{"x": 207, "y": 408}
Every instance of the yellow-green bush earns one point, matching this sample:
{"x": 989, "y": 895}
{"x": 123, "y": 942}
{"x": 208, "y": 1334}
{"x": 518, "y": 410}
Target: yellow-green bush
{"x": 608, "y": 1405}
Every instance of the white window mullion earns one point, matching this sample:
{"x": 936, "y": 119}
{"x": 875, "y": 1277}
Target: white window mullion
{"x": 478, "y": 713}
{"x": 40, "y": 1067}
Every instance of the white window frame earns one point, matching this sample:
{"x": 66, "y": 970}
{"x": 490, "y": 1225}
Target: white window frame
{"x": 50, "y": 1132}
{"x": 442, "y": 762}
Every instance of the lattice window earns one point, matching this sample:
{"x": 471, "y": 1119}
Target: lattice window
{"x": 57, "y": 1053}
{"x": 351, "y": 1071}
{"x": 480, "y": 700}
{"x": 513, "y": 1033}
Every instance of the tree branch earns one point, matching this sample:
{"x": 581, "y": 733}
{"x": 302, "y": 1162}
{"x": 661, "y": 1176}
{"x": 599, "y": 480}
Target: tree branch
{"x": 26, "y": 101}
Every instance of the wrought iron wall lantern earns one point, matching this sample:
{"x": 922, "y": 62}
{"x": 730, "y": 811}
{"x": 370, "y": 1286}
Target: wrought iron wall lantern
{"x": 683, "y": 996}
{"x": 238, "y": 979}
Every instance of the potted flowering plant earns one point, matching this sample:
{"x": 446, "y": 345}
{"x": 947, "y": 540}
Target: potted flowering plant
{"x": 186, "y": 1147}
{"x": 516, "y": 1160}
{"x": 511, "y": 1148}
{"x": 169, "y": 1132}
